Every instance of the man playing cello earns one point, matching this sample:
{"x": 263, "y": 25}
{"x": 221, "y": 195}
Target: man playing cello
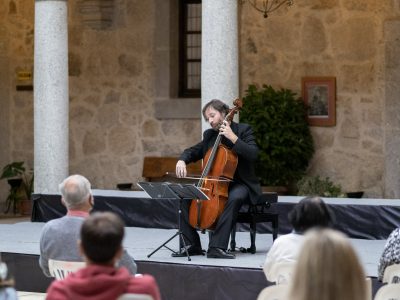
{"x": 244, "y": 186}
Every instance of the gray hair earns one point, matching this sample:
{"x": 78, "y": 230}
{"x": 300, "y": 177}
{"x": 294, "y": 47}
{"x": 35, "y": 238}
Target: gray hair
{"x": 75, "y": 190}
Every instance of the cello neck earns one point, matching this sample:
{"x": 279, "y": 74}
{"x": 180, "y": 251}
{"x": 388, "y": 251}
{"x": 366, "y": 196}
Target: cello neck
{"x": 210, "y": 160}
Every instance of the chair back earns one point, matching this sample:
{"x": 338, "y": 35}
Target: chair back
{"x": 368, "y": 286}
{"x": 61, "y": 268}
{"x": 274, "y": 292}
{"x": 388, "y": 292}
{"x": 392, "y": 274}
{"x": 30, "y": 296}
{"x": 135, "y": 297}
{"x": 281, "y": 272}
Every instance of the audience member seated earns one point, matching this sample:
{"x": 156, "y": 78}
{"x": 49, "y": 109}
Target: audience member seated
{"x": 391, "y": 253}
{"x": 328, "y": 269}
{"x": 100, "y": 243}
{"x": 308, "y": 213}
{"x": 7, "y": 291}
{"x": 59, "y": 238}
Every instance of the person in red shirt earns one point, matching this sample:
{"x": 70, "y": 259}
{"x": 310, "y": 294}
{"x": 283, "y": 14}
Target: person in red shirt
{"x": 101, "y": 245}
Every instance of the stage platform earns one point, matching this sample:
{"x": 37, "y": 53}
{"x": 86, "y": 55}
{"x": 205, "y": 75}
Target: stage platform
{"x": 178, "y": 278}
{"x": 150, "y": 222}
{"x": 358, "y": 218}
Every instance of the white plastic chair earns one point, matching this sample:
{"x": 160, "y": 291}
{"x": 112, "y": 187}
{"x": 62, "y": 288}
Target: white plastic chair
{"x": 274, "y": 292}
{"x": 135, "y": 297}
{"x": 31, "y": 296}
{"x": 281, "y": 272}
{"x": 60, "y": 268}
{"x": 392, "y": 274}
{"x": 368, "y": 286}
{"x": 388, "y": 292}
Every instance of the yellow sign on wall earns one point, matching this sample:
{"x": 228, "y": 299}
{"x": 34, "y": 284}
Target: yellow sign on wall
{"x": 24, "y": 75}
{"x": 24, "y": 81}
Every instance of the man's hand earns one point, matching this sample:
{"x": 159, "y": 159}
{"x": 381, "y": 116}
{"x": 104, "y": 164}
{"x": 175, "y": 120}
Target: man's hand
{"x": 227, "y": 132}
{"x": 181, "y": 169}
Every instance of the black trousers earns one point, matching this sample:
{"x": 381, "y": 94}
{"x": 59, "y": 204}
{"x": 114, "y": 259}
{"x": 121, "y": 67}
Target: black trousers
{"x": 219, "y": 238}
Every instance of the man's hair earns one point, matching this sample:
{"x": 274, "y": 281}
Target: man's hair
{"x": 218, "y": 105}
{"x": 101, "y": 236}
{"x": 310, "y": 212}
{"x": 75, "y": 190}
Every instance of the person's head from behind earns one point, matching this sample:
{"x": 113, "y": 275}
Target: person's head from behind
{"x": 214, "y": 112}
{"x": 101, "y": 238}
{"x": 328, "y": 269}
{"x": 76, "y": 193}
{"x": 310, "y": 212}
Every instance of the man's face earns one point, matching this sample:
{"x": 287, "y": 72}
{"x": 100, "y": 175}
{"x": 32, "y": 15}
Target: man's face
{"x": 213, "y": 117}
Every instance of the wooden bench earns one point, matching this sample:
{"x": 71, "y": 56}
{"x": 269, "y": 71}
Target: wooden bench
{"x": 156, "y": 168}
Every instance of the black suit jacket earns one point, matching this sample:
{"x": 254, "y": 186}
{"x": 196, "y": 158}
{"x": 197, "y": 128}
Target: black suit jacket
{"x": 245, "y": 148}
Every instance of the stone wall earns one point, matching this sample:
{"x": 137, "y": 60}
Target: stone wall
{"x": 112, "y": 90}
{"x": 116, "y": 84}
{"x": 392, "y": 107}
{"x": 16, "y": 108}
{"x": 112, "y": 93}
{"x": 344, "y": 39}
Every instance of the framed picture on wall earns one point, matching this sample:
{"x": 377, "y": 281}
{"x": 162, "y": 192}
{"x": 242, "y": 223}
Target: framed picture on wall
{"x": 319, "y": 94}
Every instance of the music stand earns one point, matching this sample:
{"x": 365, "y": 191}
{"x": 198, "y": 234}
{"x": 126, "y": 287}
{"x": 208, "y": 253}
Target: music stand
{"x": 166, "y": 190}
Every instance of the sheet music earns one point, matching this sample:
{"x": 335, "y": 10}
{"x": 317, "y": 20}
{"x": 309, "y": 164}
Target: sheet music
{"x": 188, "y": 191}
{"x": 166, "y": 190}
{"x": 157, "y": 190}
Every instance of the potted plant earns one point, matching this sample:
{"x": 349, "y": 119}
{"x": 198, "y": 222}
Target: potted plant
{"x": 278, "y": 119}
{"x": 21, "y": 187}
{"x": 316, "y": 186}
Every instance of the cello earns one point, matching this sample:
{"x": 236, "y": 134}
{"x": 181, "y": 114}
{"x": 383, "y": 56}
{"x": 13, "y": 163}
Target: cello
{"x": 218, "y": 170}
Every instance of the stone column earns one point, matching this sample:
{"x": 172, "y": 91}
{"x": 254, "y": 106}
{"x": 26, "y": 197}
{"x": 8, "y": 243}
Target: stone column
{"x": 50, "y": 95}
{"x": 219, "y": 59}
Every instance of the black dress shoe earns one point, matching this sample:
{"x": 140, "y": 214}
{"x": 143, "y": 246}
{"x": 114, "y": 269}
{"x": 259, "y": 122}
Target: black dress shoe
{"x": 192, "y": 251}
{"x": 219, "y": 253}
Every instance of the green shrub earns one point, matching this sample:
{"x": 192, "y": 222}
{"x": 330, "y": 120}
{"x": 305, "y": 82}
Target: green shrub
{"x": 316, "y": 186}
{"x": 278, "y": 119}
